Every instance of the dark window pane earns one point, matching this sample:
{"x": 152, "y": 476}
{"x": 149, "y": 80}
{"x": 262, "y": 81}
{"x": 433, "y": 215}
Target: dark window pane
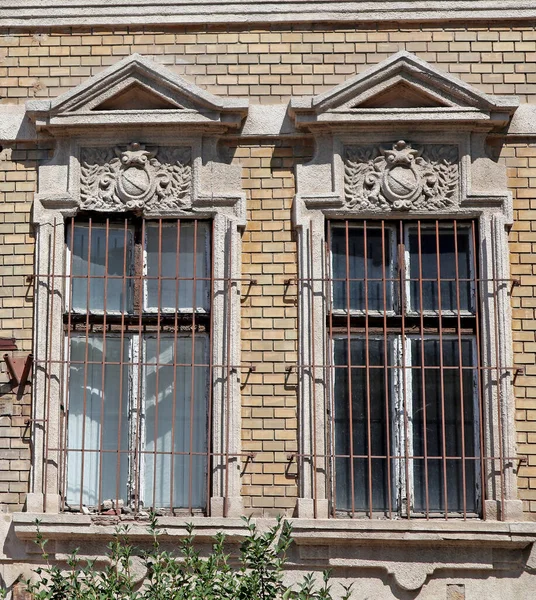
{"x": 454, "y": 411}
{"x": 97, "y": 420}
{"x": 117, "y": 290}
{"x": 355, "y": 269}
{"x": 163, "y": 261}
{"x": 361, "y": 413}
{"x": 447, "y": 265}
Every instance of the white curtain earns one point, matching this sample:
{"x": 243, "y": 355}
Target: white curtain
{"x": 97, "y": 420}
{"x": 171, "y": 411}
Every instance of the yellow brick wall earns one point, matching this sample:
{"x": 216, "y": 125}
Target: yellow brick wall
{"x": 17, "y": 185}
{"x": 268, "y": 66}
{"x": 521, "y": 163}
{"x": 269, "y": 326}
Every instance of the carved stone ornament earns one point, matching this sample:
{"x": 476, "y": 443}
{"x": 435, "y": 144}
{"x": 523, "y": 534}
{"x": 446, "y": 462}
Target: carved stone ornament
{"x": 135, "y": 178}
{"x": 401, "y": 178}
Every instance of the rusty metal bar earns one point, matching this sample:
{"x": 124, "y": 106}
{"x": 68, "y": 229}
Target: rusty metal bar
{"x": 175, "y": 339}
{"x": 349, "y": 359}
{"x": 403, "y": 366}
{"x": 423, "y": 374}
{"x": 313, "y": 383}
{"x": 121, "y": 360}
{"x": 386, "y": 375}
{"x": 11, "y": 370}
{"x": 367, "y": 370}
{"x": 103, "y": 365}
{"x": 460, "y": 361}
{"x": 441, "y": 372}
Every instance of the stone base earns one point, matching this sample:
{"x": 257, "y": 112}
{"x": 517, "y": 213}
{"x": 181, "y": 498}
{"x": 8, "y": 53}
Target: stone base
{"x": 233, "y": 506}
{"x": 511, "y": 511}
{"x": 35, "y": 503}
{"x": 305, "y": 508}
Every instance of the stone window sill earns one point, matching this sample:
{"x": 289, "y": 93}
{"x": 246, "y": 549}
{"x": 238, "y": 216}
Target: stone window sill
{"x": 305, "y": 531}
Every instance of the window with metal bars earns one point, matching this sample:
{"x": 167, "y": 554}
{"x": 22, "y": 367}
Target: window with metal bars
{"x": 137, "y": 326}
{"x": 406, "y": 398}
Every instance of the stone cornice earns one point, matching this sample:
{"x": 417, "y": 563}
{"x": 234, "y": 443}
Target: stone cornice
{"x": 62, "y": 13}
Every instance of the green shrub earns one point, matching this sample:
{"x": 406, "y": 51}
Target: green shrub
{"x": 183, "y": 576}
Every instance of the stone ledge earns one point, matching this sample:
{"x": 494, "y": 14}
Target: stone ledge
{"x": 61, "y": 13}
{"x": 305, "y": 531}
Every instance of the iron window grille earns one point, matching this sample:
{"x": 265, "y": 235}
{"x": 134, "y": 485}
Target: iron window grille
{"x": 136, "y": 424}
{"x": 405, "y": 402}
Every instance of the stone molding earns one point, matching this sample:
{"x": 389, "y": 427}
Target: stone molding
{"x": 409, "y": 551}
{"x": 454, "y": 531}
{"x": 436, "y": 98}
{"x": 62, "y": 13}
{"x": 135, "y": 178}
{"x": 173, "y": 101}
{"x": 401, "y": 177}
{"x": 371, "y": 168}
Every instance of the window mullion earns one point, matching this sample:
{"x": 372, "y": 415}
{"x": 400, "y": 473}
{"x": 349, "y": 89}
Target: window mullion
{"x": 405, "y": 417}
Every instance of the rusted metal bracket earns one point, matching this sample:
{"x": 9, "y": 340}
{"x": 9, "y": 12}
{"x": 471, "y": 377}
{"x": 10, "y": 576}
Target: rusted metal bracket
{"x": 518, "y": 372}
{"x": 19, "y": 370}
{"x": 251, "y": 368}
{"x": 522, "y": 461}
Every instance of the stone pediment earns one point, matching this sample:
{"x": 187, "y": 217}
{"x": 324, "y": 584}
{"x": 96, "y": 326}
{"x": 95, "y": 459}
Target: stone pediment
{"x": 403, "y": 89}
{"x": 137, "y": 91}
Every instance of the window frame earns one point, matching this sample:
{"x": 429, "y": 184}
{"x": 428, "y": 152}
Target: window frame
{"x": 321, "y": 196}
{"x": 52, "y": 211}
{"x": 399, "y": 371}
{"x": 143, "y": 328}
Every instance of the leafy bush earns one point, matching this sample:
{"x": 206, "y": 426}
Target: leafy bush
{"x": 186, "y": 576}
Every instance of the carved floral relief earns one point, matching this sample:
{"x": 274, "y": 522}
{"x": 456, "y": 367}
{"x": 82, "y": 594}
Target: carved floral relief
{"x": 401, "y": 177}
{"x": 135, "y": 178}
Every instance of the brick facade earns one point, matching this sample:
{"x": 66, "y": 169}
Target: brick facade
{"x": 267, "y": 65}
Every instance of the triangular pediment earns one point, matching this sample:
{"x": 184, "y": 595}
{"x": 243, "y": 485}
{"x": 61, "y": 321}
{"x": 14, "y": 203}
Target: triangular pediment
{"x": 401, "y": 95}
{"x": 137, "y": 97}
{"x": 142, "y": 88}
{"x": 402, "y": 88}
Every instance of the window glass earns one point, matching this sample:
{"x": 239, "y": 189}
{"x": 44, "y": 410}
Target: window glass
{"x": 406, "y": 425}
{"x": 97, "y": 420}
{"x": 444, "y": 417}
{"x": 352, "y": 266}
{"x": 163, "y": 260}
{"x": 138, "y": 387}
{"x": 176, "y": 418}
{"x": 369, "y": 412}
{"x": 104, "y": 272}
{"x": 451, "y": 251}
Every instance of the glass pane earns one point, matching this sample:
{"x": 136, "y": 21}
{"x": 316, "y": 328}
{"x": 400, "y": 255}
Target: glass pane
{"x": 118, "y": 290}
{"x": 452, "y": 411}
{"x": 171, "y": 293}
{"x": 97, "y": 421}
{"x": 354, "y": 269}
{"x": 447, "y": 265}
{"x": 176, "y": 417}
{"x": 375, "y": 408}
